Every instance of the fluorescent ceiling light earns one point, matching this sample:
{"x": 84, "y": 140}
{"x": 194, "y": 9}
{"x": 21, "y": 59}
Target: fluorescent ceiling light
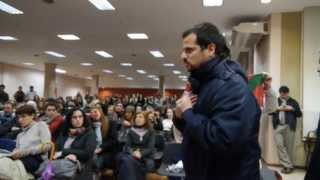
{"x": 157, "y": 54}
{"x": 183, "y": 77}
{"x": 152, "y": 76}
{"x": 122, "y": 75}
{"x": 102, "y": 4}
{"x": 8, "y": 38}
{"x": 156, "y": 79}
{"x": 28, "y": 64}
{"x": 129, "y": 78}
{"x": 60, "y": 71}
{"x": 137, "y": 36}
{"x": 212, "y": 2}
{"x": 104, "y": 54}
{"x": 265, "y": 1}
{"x": 140, "y": 71}
{"x": 86, "y": 64}
{"x": 107, "y": 71}
{"x": 168, "y": 65}
{"x": 9, "y": 9}
{"x": 52, "y": 53}
{"x": 89, "y": 78}
{"x": 176, "y": 72}
{"x": 126, "y": 64}
{"x": 68, "y": 37}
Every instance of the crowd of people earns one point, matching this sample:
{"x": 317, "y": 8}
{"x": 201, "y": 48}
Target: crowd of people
{"x": 114, "y": 133}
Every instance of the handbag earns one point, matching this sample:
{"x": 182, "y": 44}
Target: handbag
{"x": 47, "y": 174}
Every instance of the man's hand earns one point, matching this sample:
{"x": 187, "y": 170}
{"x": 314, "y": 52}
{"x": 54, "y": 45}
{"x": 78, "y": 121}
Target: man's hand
{"x": 184, "y": 103}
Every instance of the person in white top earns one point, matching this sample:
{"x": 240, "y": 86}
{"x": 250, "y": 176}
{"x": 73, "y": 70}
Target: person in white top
{"x": 168, "y": 124}
{"x": 31, "y": 94}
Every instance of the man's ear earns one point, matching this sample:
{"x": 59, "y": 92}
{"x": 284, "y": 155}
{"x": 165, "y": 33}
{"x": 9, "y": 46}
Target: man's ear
{"x": 212, "y": 49}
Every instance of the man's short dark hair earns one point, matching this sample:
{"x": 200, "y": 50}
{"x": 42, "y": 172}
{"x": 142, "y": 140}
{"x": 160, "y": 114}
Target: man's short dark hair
{"x": 2, "y": 86}
{"x": 51, "y": 103}
{"x": 208, "y": 33}
{"x": 284, "y": 89}
{"x": 26, "y": 109}
{"x": 9, "y": 102}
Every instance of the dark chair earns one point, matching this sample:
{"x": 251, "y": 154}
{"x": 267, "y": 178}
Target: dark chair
{"x": 171, "y": 155}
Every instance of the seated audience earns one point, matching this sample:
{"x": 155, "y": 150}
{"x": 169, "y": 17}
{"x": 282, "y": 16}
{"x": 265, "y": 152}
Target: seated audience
{"x": 137, "y": 158}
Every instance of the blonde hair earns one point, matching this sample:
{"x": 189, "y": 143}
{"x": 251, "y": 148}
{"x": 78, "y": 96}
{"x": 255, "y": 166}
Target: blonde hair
{"x": 104, "y": 121}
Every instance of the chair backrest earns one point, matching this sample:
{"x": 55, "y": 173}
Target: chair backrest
{"x": 172, "y": 153}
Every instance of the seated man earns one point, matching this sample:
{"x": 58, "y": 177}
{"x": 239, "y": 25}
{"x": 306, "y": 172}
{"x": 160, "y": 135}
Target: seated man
{"x": 9, "y": 129}
{"x": 52, "y": 118}
{"x": 7, "y": 114}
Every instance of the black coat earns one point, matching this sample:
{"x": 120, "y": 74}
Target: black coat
{"x": 4, "y": 97}
{"x": 313, "y": 172}
{"x": 10, "y": 129}
{"x": 83, "y": 146}
{"x": 146, "y": 145}
{"x": 110, "y": 143}
{"x": 220, "y": 133}
{"x": 291, "y": 116}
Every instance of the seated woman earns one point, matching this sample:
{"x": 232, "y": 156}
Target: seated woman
{"x": 168, "y": 125}
{"x": 137, "y": 159}
{"x": 107, "y": 146}
{"x": 31, "y": 144}
{"x": 126, "y": 124}
{"x": 77, "y": 140}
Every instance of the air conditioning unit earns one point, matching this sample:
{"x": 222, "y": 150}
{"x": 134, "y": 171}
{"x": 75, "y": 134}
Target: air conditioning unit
{"x": 252, "y": 27}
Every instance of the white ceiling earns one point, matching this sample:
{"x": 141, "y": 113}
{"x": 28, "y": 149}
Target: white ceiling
{"x": 162, "y": 20}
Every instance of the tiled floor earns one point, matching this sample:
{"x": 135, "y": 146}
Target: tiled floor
{"x": 297, "y": 174}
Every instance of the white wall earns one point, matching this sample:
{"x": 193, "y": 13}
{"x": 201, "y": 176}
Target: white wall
{"x": 267, "y": 54}
{"x": 310, "y": 62}
{"x": 14, "y": 76}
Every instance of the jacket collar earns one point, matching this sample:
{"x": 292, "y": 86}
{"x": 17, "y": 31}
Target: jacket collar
{"x": 214, "y": 68}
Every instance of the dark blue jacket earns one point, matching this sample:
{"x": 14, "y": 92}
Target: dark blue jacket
{"x": 313, "y": 169}
{"x": 220, "y": 133}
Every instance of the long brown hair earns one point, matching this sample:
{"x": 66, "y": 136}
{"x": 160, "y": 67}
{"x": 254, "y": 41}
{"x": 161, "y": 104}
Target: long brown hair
{"x": 104, "y": 121}
{"x": 147, "y": 123}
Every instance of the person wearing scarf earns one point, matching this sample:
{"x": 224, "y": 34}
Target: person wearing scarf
{"x": 136, "y": 160}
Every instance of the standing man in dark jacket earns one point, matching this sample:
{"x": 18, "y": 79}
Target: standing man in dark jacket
{"x": 4, "y": 97}
{"x": 285, "y": 122}
{"x": 220, "y": 127}
{"x": 19, "y": 96}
